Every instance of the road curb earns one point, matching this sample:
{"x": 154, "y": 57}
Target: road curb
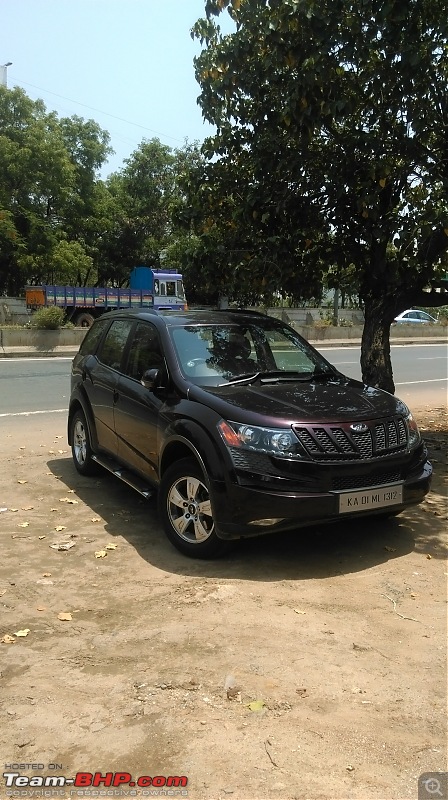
{"x": 70, "y": 352}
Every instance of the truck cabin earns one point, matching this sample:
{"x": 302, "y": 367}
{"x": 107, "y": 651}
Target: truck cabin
{"x": 167, "y": 287}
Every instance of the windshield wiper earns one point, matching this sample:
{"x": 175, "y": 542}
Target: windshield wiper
{"x": 277, "y": 376}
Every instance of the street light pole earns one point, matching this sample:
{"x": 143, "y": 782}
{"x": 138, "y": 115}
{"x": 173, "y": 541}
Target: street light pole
{"x": 4, "y": 73}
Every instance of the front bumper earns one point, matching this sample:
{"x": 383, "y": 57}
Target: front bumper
{"x": 236, "y": 507}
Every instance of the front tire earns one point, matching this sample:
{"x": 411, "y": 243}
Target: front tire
{"x": 186, "y": 513}
{"x": 81, "y": 446}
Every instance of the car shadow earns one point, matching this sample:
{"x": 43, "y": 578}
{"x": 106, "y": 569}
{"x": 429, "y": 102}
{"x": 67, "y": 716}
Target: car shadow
{"x": 303, "y": 554}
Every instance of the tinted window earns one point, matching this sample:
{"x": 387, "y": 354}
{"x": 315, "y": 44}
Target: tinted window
{"x": 92, "y": 337}
{"x": 113, "y": 346}
{"x": 145, "y": 351}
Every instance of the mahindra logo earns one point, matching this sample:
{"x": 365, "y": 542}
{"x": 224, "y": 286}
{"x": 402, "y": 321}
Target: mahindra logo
{"x": 358, "y": 427}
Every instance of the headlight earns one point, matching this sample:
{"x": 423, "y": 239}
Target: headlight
{"x": 414, "y": 436}
{"x": 275, "y": 441}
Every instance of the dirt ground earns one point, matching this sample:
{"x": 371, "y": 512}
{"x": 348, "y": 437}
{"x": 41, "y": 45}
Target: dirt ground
{"x": 307, "y": 665}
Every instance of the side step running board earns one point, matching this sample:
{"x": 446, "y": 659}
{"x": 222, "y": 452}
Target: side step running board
{"x": 124, "y": 475}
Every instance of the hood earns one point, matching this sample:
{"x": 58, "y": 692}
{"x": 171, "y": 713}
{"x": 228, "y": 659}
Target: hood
{"x": 338, "y": 400}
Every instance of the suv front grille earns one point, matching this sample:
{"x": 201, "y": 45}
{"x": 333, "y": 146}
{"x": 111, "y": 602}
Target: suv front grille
{"x": 331, "y": 443}
{"x": 340, "y": 483}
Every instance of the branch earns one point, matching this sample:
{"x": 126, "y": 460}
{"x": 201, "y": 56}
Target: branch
{"x": 434, "y": 246}
{"x": 430, "y": 299}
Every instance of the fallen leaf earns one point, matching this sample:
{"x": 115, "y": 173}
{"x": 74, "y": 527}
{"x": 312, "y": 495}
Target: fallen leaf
{"x": 111, "y": 546}
{"x": 22, "y": 481}
{"x": 64, "y": 615}
{"x": 46, "y": 574}
{"x": 54, "y": 509}
{"x": 60, "y": 528}
{"x": 7, "y": 639}
{"x": 349, "y": 768}
{"x": 13, "y": 509}
{"x": 100, "y": 554}
{"x": 95, "y": 519}
{"x": 41, "y": 608}
{"x": 23, "y": 524}
{"x": 67, "y": 500}
{"x": 27, "y": 508}
{"x": 62, "y": 545}
{"x": 25, "y": 632}
{"x": 41, "y": 537}
{"x": 62, "y": 451}
{"x": 391, "y": 549}
{"x": 256, "y": 705}
{"x": 428, "y": 556}
{"x": 3, "y": 509}
{"x": 299, "y": 611}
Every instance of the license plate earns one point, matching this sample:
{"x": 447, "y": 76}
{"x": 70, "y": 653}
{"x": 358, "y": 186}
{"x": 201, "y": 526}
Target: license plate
{"x": 369, "y": 499}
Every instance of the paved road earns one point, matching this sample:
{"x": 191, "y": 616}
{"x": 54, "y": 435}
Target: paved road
{"x": 43, "y": 385}
{"x": 420, "y": 371}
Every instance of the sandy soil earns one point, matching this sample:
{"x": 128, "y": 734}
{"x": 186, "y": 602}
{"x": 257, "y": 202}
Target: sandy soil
{"x": 309, "y": 665}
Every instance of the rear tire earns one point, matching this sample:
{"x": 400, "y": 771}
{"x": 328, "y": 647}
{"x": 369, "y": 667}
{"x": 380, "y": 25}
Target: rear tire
{"x": 81, "y": 446}
{"x": 185, "y": 509}
{"x": 84, "y": 320}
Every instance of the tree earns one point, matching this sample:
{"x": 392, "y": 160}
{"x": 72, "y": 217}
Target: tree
{"x": 331, "y": 143}
{"x": 85, "y": 215}
{"x": 145, "y": 206}
{"x": 35, "y": 175}
{"x": 50, "y": 196}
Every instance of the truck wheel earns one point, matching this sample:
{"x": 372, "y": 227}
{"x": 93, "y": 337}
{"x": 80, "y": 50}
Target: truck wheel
{"x": 84, "y": 320}
{"x": 81, "y": 447}
{"x": 186, "y": 513}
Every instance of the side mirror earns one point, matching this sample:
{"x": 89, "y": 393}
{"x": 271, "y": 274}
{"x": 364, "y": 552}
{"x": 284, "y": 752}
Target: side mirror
{"x": 153, "y": 379}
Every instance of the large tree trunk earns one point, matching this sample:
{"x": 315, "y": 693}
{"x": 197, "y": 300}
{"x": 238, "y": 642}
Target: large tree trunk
{"x": 376, "y": 365}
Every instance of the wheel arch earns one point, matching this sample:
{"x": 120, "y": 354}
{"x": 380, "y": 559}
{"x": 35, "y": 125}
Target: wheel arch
{"x": 80, "y": 402}
{"x": 177, "y": 449}
{"x": 192, "y": 441}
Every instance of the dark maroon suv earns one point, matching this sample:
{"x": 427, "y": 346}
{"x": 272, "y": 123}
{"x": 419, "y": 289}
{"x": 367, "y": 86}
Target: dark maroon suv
{"x": 240, "y": 424}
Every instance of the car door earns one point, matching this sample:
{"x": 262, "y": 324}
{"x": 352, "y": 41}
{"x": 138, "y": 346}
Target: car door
{"x": 103, "y": 381}
{"x": 137, "y": 408}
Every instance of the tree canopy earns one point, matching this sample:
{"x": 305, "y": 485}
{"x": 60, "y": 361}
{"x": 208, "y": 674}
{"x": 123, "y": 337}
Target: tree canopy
{"x": 331, "y": 151}
{"x": 60, "y": 222}
{"x": 48, "y": 192}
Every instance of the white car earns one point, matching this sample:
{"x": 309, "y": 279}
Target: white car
{"x": 414, "y": 316}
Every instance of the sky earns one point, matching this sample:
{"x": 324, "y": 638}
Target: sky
{"x": 127, "y": 64}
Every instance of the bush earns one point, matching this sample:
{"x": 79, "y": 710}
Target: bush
{"x": 49, "y": 319}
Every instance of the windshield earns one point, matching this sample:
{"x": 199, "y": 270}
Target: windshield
{"x": 215, "y": 354}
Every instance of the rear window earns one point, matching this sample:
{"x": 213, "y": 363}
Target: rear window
{"x": 114, "y": 343}
{"x": 91, "y": 340}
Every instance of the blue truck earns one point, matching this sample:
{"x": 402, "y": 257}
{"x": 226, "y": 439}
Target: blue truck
{"x": 148, "y": 288}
